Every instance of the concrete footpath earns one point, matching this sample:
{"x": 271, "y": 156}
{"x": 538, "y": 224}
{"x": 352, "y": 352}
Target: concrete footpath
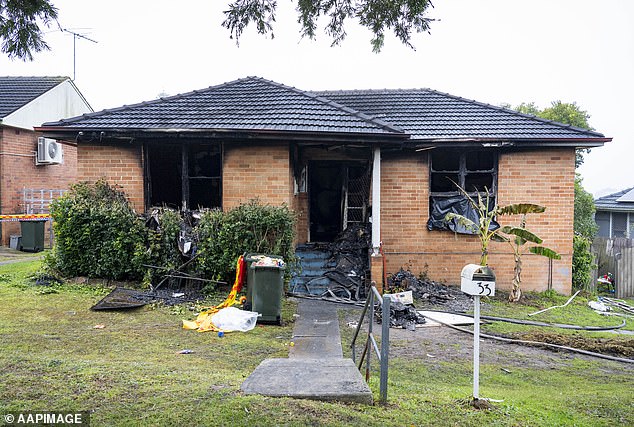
{"x": 315, "y": 368}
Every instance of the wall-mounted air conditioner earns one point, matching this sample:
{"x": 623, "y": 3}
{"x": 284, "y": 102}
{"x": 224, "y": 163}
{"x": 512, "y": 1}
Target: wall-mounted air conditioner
{"x": 49, "y": 151}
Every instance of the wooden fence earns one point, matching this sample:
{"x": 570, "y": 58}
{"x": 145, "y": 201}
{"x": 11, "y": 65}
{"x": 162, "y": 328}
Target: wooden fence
{"x": 616, "y": 256}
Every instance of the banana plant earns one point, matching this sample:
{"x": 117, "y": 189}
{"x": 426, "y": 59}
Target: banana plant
{"x": 519, "y": 236}
{"x": 486, "y": 229}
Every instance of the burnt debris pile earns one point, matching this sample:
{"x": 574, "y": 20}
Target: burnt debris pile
{"x": 335, "y": 270}
{"x": 401, "y": 316}
{"x": 430, "y": 294}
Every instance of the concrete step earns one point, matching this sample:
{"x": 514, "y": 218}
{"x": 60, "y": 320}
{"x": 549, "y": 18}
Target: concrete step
{"x": 318, "y": 379}
{"x": 315, "y": 368}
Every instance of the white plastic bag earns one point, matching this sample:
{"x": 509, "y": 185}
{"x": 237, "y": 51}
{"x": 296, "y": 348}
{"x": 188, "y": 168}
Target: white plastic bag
{"x": 233, "y": 319}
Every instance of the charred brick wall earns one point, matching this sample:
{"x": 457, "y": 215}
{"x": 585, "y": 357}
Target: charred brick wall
{"x": 119, "y": 165}
{"x": 544, "y": 177}
{"x": 19, "y": 171}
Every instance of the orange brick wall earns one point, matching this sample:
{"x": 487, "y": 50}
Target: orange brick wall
{"x": 542, "y": 177}
{"x": 256, "y": 171}
{"x": 18, "y": 169}
{"x": 120, "y": 165}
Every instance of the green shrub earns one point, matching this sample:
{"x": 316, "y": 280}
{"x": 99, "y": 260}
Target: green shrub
{"x": 99, "y": 235}
{"x": 582, "y": 262}
{"x": 96, "y": 233}
{"x": 251, "y": 227}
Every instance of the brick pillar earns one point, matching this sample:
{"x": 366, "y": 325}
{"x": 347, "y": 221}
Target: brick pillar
{"x": 376, "y": 271}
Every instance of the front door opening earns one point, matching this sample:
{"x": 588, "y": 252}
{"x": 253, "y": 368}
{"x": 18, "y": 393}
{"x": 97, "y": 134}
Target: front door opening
{"x": 339, "y": 197}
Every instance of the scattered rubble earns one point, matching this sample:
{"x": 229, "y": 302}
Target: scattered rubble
{"x": 342, "y": 276}
{"x": 124, "y": 298}
{"x": 349, "y": 263}
{"x": 430, "y": 294}
{"x": 402, "y": 316}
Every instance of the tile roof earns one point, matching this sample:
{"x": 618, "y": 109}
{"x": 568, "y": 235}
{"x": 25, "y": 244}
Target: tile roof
{"x": 16, "y": 91}
{"x": 251, "y": 103}
{"x": 258, "y": 105}
{"x": 430, "y": 115}
{"x": 611, "y": 202}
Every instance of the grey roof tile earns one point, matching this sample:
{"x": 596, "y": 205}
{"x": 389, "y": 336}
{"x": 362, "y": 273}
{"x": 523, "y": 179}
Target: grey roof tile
{"x": 257, "y": 104}
{"x": 17, "y": 91}
{"x": 611, "y": 203}
{"x": 247, "y": 104}
{"x": 431, "y": 115}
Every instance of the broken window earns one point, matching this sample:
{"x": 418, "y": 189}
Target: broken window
{"x": 475, "y": 171}
{"x": 185, "y": 175}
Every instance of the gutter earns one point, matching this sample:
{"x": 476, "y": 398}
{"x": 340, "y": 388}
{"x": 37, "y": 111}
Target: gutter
{"x": 79, "y": 135}
{"x": 502, "y": 143}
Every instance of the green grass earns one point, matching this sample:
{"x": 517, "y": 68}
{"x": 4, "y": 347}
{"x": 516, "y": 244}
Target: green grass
{"x": 130, "y": 372}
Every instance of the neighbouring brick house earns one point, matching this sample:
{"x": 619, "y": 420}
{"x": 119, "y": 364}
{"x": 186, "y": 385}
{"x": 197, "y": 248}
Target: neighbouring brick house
{"x": 26, "y": 102}
{"x": 339, "y": 157}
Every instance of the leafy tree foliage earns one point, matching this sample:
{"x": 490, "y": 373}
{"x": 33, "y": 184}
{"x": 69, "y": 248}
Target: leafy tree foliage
{"x": 402, "y": 17}
{"x": 584, "y": 223}
{"x": 585, "y": 230}
{"x": 562, "y": 112}
{"x": 582, "y": 262}
{"x": 20, "y": 31}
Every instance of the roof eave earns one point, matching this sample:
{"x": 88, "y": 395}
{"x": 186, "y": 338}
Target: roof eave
{"x": 614, "y": 209}
{"x": 105, "y": 134}
{"x": 510, "y": 142}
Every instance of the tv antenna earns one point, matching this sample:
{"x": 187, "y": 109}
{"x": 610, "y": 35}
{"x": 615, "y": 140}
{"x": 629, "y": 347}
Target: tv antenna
{"x": 75, "y": 37}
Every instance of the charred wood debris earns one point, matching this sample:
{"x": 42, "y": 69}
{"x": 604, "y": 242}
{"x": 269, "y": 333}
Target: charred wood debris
{"x": 348, "y": 273}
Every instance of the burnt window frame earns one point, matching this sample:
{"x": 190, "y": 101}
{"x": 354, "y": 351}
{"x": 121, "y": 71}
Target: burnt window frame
{"x": 462, "y": 173}
{"x": 183, "y": 164}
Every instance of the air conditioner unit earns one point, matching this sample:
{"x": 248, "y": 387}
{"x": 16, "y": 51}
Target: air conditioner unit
{"x": 49, "y": 151}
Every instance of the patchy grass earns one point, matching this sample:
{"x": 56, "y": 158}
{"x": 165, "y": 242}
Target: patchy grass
{"x": 576, "y": 313}
{"x": 130, "y": 372}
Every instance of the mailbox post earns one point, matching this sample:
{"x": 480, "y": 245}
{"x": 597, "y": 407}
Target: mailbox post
{"x": 477, "y": 280}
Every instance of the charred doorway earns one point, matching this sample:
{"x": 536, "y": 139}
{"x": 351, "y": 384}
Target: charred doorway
{"x": 187, "y": 175}
{"x": 339, "y": 196}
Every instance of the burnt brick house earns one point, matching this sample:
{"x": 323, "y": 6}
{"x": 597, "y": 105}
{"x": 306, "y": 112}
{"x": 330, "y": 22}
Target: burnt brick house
{"x": 26, "y": 102}
{"x": 340, "y": 157}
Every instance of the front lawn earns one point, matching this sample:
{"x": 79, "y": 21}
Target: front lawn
{"x": 130, "y": 372}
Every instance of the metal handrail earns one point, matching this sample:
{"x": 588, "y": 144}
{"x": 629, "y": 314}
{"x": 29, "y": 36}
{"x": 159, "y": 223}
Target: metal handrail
{"x": 383, "y": 353}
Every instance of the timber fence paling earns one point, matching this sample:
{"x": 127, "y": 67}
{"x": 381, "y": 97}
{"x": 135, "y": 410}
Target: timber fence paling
{"x": 617, "y": 256}
{"x": 625, "y": 273}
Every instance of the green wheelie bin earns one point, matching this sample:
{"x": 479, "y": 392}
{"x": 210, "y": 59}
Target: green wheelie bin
{"x": 265, "y": 286}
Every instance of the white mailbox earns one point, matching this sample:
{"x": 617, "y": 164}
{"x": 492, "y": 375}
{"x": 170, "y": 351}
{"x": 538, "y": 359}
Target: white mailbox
{"x": 477, "y": 280}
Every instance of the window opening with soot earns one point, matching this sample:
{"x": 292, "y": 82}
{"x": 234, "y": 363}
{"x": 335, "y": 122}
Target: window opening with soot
{"x": 187, "y": 175}
{"x": 475, "y": 171}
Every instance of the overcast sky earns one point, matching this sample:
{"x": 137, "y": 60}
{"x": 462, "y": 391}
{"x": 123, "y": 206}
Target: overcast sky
{"x": 493, "y": 51}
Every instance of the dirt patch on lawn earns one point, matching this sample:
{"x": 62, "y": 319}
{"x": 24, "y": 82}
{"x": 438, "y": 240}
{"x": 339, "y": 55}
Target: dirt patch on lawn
{"x": 619, "y": 348}
{"x": 438, "y": 344}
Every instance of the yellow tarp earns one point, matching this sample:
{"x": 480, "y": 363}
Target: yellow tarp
{"x": 203, "y": 321}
